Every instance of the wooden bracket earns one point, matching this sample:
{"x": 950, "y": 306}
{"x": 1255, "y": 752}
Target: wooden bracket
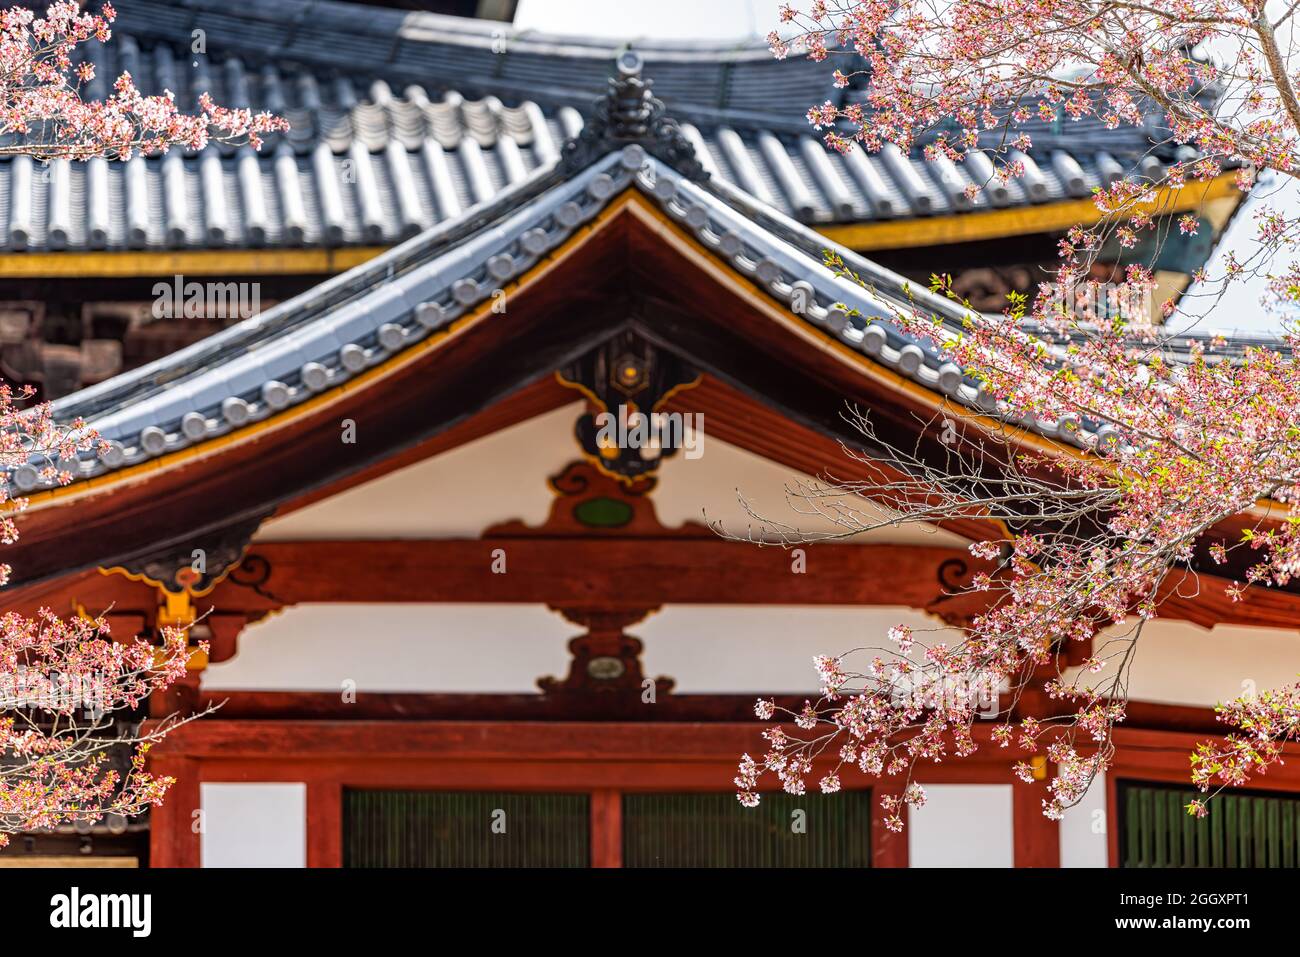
{"x": 606, "y": 660}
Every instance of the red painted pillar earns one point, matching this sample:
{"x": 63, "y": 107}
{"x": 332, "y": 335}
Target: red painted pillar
{"x": 324, "y": 823}
{"x": 173, "y": 827}
{"x": 1037, "y": 840}
{"x": 606, "y": 828}
{"x": 888, "y": 848}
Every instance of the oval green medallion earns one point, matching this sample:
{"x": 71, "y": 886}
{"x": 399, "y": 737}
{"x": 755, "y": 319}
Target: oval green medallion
{"x": 603, "y": 512}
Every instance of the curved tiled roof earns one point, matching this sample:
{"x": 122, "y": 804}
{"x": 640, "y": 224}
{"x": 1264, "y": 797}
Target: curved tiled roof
{"x": 346, "y": 325}
{"x": 343, "y": 327}
{"x": 385, "y": 182}
{"x": 335, "y": 332}
{"x": 401, "y": 121}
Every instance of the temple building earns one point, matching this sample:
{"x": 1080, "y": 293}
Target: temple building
{"x": 358, "y": 391}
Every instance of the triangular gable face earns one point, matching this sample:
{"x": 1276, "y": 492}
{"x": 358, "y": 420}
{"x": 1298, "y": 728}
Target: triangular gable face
{"x": 508, "y": 476}
{"x": 529, "y": 485}
{"x": 516, "y": 499}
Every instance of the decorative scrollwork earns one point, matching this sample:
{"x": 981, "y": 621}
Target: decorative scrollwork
{"x": 253, "y": 573}
{"x": 627, "y": 379}
{"x": 953, "y": 575}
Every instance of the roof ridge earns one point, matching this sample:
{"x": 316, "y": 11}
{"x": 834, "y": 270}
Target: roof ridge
{"x": 487, "y": 56}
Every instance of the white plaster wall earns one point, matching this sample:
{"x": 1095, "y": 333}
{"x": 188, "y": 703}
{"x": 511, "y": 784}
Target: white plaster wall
{"x": 454, "y": 495}
{"x": 504, "y": 476}
{"x": 706, "y": 648}
{"x": 506, "y": 648}
{"x": 941, "y": 834}
{"x": 710, "y": 488}
{"x": 1179, "y": 663}
{"x": 1083, "y": 829}
{"x": 396, "y": 648}
{"x": 253, "y": 825}
{"x": 719, "y": 649}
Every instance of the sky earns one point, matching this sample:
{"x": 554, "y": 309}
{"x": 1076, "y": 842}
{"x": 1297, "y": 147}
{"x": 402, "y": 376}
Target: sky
{"x": 658, "y": 19}
{"x": 1239, "y": 311}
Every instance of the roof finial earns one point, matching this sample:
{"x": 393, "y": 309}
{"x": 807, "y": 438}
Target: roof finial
{"x": 630, "y": 113}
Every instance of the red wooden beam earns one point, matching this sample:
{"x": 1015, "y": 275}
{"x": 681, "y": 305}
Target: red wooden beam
{"x": 284, "y": 741}
{"x": 674, "y": 708}
{"x": 600, "y": 573}
{"x": 464, "y": 706}
{"x": 614, "y": 573}
{"x": 278, "y": 741}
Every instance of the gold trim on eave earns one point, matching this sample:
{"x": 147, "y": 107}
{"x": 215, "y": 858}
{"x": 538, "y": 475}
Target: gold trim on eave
{"x": 168, "y": 589}
{"x": 1019, "y": 221}
{"x": 199, "y": 262}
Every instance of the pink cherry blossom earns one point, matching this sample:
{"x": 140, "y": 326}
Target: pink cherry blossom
{"x": 66, "y": 683}
{"x": 1172, "y": 436}
{"x": 40, "y": 96}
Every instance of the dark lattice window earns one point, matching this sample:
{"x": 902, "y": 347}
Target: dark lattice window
{"x": 465, "y": 829}
{"x": 1243, "y": 828}
{"x": 714, "y": 830}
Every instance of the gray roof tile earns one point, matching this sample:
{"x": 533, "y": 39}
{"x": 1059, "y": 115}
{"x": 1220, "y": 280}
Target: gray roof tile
{"x": 337, "y": 330}
{"x": 363, "y": 86}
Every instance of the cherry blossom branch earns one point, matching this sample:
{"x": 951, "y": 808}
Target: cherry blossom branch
{"x": 70, "y": 692}
{"x": 40, "y": 97}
